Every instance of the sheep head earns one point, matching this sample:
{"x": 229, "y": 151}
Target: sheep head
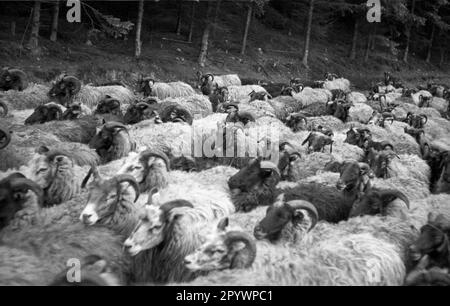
{"x": 416, "y": 121}
{"x": 176, "y": 113}
{"x": 146, "y": 86}
{"x": 64, "y": 88}
{"x": 296, "y": 122}
{"x": 280, "y": 214}
{"x": 109, "y": 105}
{"x": 150, "y": 169}
{"x": 224, "y": 249}
{"x": 433, "y": 239}
{"x": 12, "y": 79}
{"x": 13, "y": 190}
{"x": 104, "y": 197}
{"x": 380, "y": 160}
{"x": 357, "y": 137}
{"x": 5, "y": 138}
{"x": 207, "y": 84}
{"x": 424, "y": 101}
{"x": 104, "y": 139}
{"x": 288, "y": 155}
{"x": 154, "y": 224}
{"x": 260, "y": 95}
{"x": 141, "y": 111}
{"x": 375, "y": 202}
{"x": 72, "y": 112}
{"x": 353, "y": 176}
{"x": 45, "y": 113}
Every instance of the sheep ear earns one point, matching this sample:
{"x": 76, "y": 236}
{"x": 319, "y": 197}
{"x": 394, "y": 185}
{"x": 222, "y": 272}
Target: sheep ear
{"x": 223, "y": 224}
{"x": 42, "y": 150}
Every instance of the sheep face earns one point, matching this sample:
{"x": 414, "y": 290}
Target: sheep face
{"x": 354, "y": 174}
{"x": 139, "y": 112}
{"x": 280, "y": 214}
{"x": 247, "y": 178}
{"x": 223, "y": 249}
{"x": 375, "y": 202}
{"x": 72, "y": 112}
{"x": 416, "y": 121}
{"x": 149, "y": 168}
{"x": 433, "y": 238}
{"x": 296, "y": 122}
{"x": 109, "y": 106}
{"x": 13, "y": 195}
{"x": 12, "y": 79}
{"x": 47, "y": 168}
{"x": 64, "y": 88}
{"x": 379, "y": 162}
{"x": 44, "y": 113}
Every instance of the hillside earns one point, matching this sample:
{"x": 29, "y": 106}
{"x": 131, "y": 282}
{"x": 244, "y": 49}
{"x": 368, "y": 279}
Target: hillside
{"x": 272, "y": 54}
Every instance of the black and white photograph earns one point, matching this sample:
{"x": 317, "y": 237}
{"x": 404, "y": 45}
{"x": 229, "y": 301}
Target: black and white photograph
{"x": 224, "y": 148}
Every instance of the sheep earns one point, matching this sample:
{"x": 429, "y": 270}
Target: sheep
{"x": 45, "y": 113}
{"x": 199, "y": 106}
{"x": 418, "y": 96}
{"x": 76, "y": 111}
{"x": 67, "y": 90}
{"x": 243, "y": 261}
{"x": 162, "y": 91}
{"x": 339, "y": 109}
{"x": 13, "y": 79}
{"x": 141, "y": 111}
{"x": 25, "y": 141}
{"x": 339, "y": 83}
{"x": 296, "y": 122}
{"x": 5, "y": 138}
{"x": 112, "y": 142}
{"x": 208, "y": 82}
{"x": 262, "y": 96}
{"x": 360, "y": 112}
{"x": 60, "y": 243}
{"x": 356, "y": 97}
{"x": 432, "y": 247}
{"x": 310, "y": 96}
{"x": 381, "y": 118}
{"x": 241, "y": 93}
{"x": 318, "y": 141}
{"x": 443, "y": 184}
{"x": 177, "y": 214}
{"x": 109, "y": 108}
{"x": 33, "y": 96}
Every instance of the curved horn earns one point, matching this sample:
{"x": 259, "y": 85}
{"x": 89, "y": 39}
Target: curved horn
{"x": 210, "y": 75}
{"x": 113, "y": 125}
{"x": 167, "y": 207}
{"x": 269, "y": 165}
{"x": 390, "y": 195}
{"x": 5, "y": 108}
{"x": 130, "y": 180}
{"x": 250, "y": 245}
{"x": 58, "y": 110}
{"x": 424, "y": 117}
{"x": 6, "y": 138}
{"x": 309, "y": 208}
{"x": 160, "y": 154}
{"x": 76, "y": 83}
{"x": 20, "y": 182}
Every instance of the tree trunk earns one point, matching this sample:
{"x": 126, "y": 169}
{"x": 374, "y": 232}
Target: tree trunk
{"x": 370, "y": 40}
{"x": 430, "y": 43}
{"x": 442, "y": 60}
{"x": 55, "y": 17}
{"x": 308, "y": 33}
{"x": 34, "y": 38}
{"x": 408, "y": 34}
{"x": 216, "y": 15}
{"x": 247, "y": 26}
{"x": 355, "y": 40}
{"x": 191, "y": 26}
{"x": 205, "y": 38}
{"x": 13, "y": 28}
{"x": 178, "y": 30}
{"x": 138, "y": 50}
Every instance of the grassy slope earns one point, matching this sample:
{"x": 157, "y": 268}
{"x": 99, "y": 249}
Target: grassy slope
{"x": 168, "y": 61}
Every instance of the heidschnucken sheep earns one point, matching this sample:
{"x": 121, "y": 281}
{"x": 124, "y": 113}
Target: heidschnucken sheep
{"x": 162, "y": 91}
{"x": 233, "y": 257}
{"x": 13, "y": 79}
{"x": 112, "y": 142}
{"x": 67, "y": 90}
{"x": 208, "y": 83}
{"x": 174, "y": 221}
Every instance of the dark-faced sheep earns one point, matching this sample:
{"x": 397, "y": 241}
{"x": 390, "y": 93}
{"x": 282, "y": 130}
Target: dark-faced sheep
{"x": 376, "y": 201}
{"x": 45, "y": 113}
{"x": 13, "y": 79}
{"x": 379, "y": 161}
{"x": 140, "y": 111}
{"x": 173, "y": 112}
{"x": 317, "y": 141}
{"x": 416, "y": 121}
{"x": 208, "y": 83}
{"x": 13, "y": 190}
{"x": 111, "y": 107}
{"x": 5, "y": 138}
{"x": 64, "y": 88}
{"x": 162, "y": 91}
{"x": 296, "y": 122}
{"x": 112, "y": 142}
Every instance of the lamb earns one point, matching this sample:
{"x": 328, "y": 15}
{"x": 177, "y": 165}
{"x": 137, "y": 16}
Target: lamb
{"x": 112, "y": 142}
{"x": 176, "y": 216}
{"x": 67, "y": 90}
{"x": 162, "y": 91}
{"x": 208, "y": 82}
{"x": 13, "y": 79}
{"x": 246, "y": 262}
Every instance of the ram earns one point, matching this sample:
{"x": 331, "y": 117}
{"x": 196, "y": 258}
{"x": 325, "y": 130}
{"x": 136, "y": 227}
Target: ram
{"x": 162, "y": 91}
{"x": 208, "y": 82}
{"x": 310, "y": 96}
{"x": 112, "y": 142}
{"x": 13, "y": 79}
{"x": 67, "y": 90}
{"x": 197, "y": 105}
{"x": 329, "y": 262}
{"x": 173, "y": 224}
{"x": 242, "y": 93}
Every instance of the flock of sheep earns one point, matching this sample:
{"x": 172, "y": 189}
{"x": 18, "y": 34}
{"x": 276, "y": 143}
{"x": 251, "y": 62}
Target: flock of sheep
{"x": 105, "y": 175}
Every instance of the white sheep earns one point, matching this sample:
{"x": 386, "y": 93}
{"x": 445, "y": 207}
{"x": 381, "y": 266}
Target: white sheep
{"x": 341, "y": 83}
{"x": 310, "y": 96}
{"x": 31, "y": 97}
